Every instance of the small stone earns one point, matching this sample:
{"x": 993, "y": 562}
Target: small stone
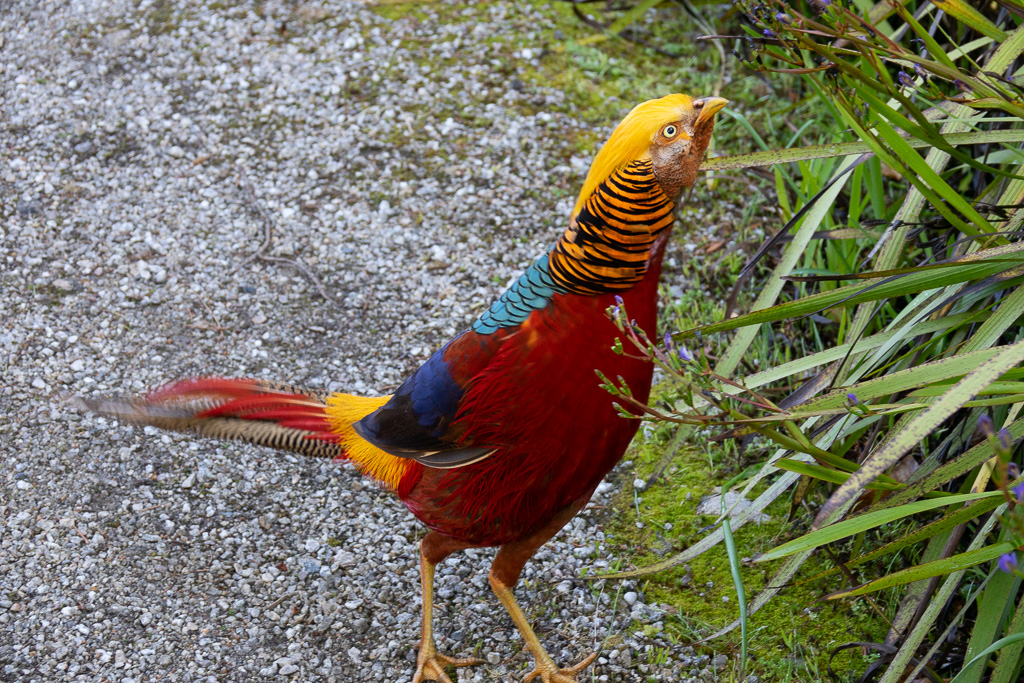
{"x": 287, "y": 669}
{"x": 28, "y": 207}
{"x": 176, "y": 152}
{"x": 639, "y": 484}
{"x": 259, "y": 319}
{"x": 63, "y": 285}
{"x": 630, "y": 598}
{"x": 38, "y": 383}
{"x": 83, "y": 147}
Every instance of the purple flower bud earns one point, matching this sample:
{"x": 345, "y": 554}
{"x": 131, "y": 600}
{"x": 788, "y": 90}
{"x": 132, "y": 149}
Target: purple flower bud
{"x": 1008, "y": 562}
{"x": 919, "y": 70}
{"x": 668, "y": 342}
{"x": 684, "y": 353}
{"x": 618, "y": 300}
{"x": 768, "y": 33}
{"x": 1005, "y": 440}
{"x": 1013, "y": 470}
{"x": 783, "y": 18}
{"x": 985, "y": 425}
{"x": 824, "y": 3}
{"x": 906, "y": 79}
{"x": 1018, "y": 492}
{"x": 961, "y": 85}
{"x": 852, "y": 398}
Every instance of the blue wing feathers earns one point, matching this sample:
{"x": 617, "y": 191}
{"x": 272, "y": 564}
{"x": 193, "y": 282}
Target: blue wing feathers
{"x": 420, "y": 412}
{"x": 434, "y": 394}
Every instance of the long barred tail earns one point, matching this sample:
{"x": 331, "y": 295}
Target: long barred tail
{"x": 259, "y": 412}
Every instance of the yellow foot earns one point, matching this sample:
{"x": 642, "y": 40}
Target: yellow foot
{"x": 549, "y": 674}
{"x": 430, "y": 664}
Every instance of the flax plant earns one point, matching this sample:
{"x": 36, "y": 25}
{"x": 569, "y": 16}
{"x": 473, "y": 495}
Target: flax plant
{"x": 902, "y": 272}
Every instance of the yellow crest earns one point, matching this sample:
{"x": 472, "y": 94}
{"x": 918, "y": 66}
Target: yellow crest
{"x": 632, "y": 139}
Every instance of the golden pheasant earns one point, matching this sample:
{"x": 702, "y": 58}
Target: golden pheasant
{"x": 503, "y": 434}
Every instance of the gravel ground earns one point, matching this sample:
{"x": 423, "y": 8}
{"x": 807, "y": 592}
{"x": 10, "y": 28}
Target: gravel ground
{"x": 406, "y": 167}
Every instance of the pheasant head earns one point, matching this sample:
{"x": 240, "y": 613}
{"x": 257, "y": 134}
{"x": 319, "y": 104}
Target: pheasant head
{"x": 628, "y": 200}
{"x": 673, "y": 132}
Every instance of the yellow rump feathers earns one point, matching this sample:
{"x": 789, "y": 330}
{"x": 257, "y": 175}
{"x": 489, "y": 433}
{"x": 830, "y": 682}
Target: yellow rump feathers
{"x": 343, "y": 410}
{"x": 632, "y": 139}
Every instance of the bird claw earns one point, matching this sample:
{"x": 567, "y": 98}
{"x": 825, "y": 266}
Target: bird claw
{"x": 430, "y": 664}
{"x": 549, "y": 674}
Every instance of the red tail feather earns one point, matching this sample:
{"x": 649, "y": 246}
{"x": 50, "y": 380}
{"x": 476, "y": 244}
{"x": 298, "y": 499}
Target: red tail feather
{"x": 217, "y": 400}
{"x": 209, "y": 387}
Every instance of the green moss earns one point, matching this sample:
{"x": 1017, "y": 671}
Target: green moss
{"x": 792, "y": 636}
{"x": 399, "y": 9}
{"x": 164, "y": 17}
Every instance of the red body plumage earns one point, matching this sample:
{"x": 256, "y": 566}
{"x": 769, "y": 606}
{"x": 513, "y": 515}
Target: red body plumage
{"x": 537, "y": 377}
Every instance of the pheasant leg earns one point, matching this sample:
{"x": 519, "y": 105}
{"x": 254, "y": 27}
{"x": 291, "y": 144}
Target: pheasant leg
{"x": 505, "y": 571}
{"x": 544, "y": 666}
{"x": 430, "y": 664}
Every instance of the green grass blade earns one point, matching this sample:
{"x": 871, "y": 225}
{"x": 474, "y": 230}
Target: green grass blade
{"x": 790, "y": 257}
{"x": 992, "y": 608}
{"x": 866, "y": 521}
{"x": 972, "y": 17}
{"x": 771, "y": 157}
{"x": 925, "y": 621}
{"x": 942, "y": 567}
{"x": 902, "y": 380}
{"x": 798, "y": 366}
{"x": 737, "y": 580}
{"x": 957, "y": 467}
{"x": 1009, "y": 659}
{"x": 981, "y": 656}
{"x": 974, "y": 267}
{"x": 951, "y": 519}
{"x": 922, "y": 425}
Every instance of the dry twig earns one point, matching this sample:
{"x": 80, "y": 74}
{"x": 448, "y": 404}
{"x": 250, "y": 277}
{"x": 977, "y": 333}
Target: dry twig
{"x": 268, "y": 239}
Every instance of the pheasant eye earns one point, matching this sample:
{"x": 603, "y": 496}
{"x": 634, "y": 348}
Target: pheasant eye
{"x": 670, "y": 131}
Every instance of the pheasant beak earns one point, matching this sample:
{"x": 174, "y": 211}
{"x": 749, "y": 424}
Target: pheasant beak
{"x": 708, "y": 106}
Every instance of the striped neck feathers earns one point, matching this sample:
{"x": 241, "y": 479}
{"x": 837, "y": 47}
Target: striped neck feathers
{"x": 607, "y": 244}
{"x": 605, "y": 248}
